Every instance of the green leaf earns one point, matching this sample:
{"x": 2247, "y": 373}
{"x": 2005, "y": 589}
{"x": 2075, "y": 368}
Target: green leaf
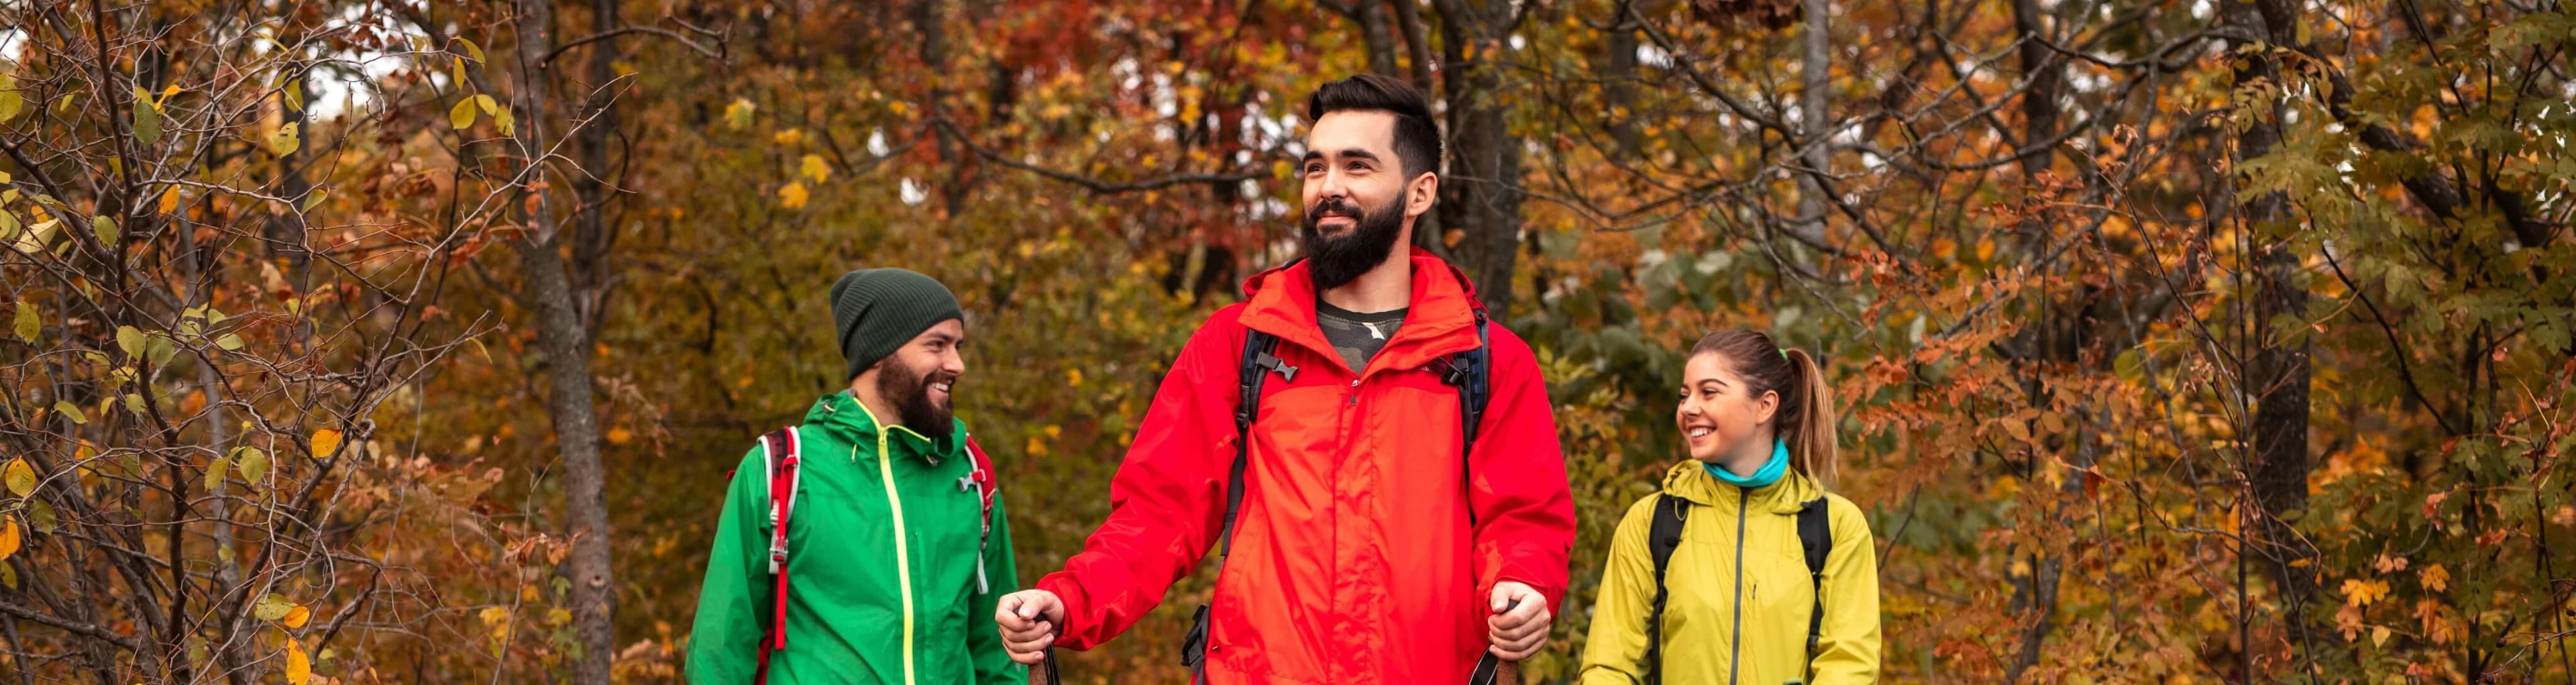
{"x": 20, "y": 477}
{"x": 253, "y": 464}
{"x": 230, "y": 342}
{"x": 28, "y": 325}
{"x": 314, "y": 198}
{"x": 11, "y": 103}
{"x": 63, "y": 105}
{"x": 129, "y": 339}
{"x": 738, "y": 114}
{"x": 294, "y": 93}
{"x": 71, "y": 410}
{"x": 147, "y": 119}
{"x": 105, "y": 228}
{"x": 507, "y": 124}
{"x": 160, "y": 349}
{"x": 462, "y": 115}
{"x": 215, "y": 474}
{"x": 40, "y": 516}
{"x": 134, "y": 403}
{"x": 8, "y": 224}
{"x": 2129, "y": 366}
{"x": 272, "y": 607}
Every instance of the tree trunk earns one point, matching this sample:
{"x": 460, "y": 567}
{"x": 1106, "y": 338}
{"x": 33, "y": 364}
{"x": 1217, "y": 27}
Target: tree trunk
{"x": 1619, "y": 78}
{"x": 565, "y": 343}
{"x": 2276, "y": 373}
{"x": 1481, "y": 193}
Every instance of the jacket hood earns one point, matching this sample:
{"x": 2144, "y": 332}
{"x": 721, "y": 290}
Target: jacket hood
{"x": 847, "y": 418}
{"x": 1690, "y": 480}
{"x": 1440, "y": 319}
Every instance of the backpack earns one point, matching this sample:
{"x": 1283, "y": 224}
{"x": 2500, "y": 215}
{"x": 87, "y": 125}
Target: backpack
{"x": 778, "y": 451}
{"x": 1470, "y": 372}
{"x": 1815, "y": 538}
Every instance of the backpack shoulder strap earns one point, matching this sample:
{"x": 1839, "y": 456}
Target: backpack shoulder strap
{"x": 1471, "y": 372}
{"x": 1816, "y": 538}
{"x": 1663, "y": 536}
{"x": 981, "y": 481}
{"x": 1259, "y": 361}
{"x": 778, "y": 458}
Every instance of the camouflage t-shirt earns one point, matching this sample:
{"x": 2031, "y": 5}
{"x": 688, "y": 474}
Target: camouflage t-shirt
{"x": 1357, "y": 336}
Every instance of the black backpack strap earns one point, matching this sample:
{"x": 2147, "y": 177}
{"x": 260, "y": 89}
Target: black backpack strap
{"x": 1259, "y": 361}
{"x": 1816, "y": 538}
{"x": 1663, "y": 535}
{"x": 1471, "y": 372}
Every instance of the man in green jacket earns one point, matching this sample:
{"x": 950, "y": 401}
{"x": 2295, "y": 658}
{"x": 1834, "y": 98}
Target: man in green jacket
{"x": 890, "y": 569}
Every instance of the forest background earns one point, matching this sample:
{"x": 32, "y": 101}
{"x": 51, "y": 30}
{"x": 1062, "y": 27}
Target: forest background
{"x": 2177, "y": 340}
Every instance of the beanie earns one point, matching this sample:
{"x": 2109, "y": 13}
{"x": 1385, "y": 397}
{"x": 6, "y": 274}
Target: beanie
{"x": 876, "y": 311}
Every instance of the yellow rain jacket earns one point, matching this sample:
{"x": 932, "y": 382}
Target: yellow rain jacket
{"x": 1739, "y": 595}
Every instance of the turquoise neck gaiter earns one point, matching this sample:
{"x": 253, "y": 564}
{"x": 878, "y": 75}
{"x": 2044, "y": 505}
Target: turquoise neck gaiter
{"x": 1770, "y": 472}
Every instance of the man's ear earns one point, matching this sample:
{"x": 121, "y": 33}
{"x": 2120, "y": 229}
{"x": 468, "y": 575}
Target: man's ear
{"x": 1420, "y": 194}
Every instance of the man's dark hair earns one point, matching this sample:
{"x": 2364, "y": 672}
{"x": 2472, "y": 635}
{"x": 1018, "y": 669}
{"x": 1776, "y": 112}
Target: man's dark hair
{"x": 1417, "y": 140}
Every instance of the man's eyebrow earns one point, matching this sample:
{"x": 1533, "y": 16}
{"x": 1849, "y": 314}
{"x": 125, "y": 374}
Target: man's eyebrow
{"x": 1312, "y": 155}
{"x": 1359, "y": 153}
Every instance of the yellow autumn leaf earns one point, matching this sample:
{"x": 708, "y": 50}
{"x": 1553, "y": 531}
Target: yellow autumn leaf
{"x": 296, "y": 617}
{"x": 2436, "y": 578}
{"x": 738, "y": 114}
{"x": 324, "y": 442}
{"x": 815, "y": 168}
{"x": 2362, "y": 592}
{"x": 169, "y": 200}
{"x": 9, "y": 539}
{"x": 462, "y": 115}
{"x": 620, "y": 436}
{"x": 789, "y": 137}
{"x": 20, "y": 477}
{"x": 792, "y": 196}
{"x": 299, "y": 667}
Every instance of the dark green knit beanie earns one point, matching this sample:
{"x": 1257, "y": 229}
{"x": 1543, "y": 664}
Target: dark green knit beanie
{"x": 876, "y": 311}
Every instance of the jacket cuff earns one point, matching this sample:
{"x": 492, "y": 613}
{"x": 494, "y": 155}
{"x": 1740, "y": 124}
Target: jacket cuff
{"x": 1068, "y": 592}
{"x": 1514, "y": 573}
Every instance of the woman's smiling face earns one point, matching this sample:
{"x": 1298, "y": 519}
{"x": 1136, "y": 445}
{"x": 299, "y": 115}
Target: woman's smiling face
{"x": 1720, "y": 415}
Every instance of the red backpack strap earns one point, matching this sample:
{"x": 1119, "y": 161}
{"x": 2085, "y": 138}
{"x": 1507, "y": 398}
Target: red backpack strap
{"x": 982, "y": 482}
{"x": 778, "y": 455}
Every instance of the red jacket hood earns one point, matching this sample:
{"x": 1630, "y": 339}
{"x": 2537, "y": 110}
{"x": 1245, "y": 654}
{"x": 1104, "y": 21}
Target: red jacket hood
{"x": 1440, "y": 320}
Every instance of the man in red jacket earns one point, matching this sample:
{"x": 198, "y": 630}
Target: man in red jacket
{"x": 1372, "y": 551}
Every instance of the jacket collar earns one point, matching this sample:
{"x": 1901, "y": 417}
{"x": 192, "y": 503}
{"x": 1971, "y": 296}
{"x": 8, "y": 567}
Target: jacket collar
{"x": 1439, "y": 321}
{"x": 1689, "y": 480}
{"x": 846, "y": 418}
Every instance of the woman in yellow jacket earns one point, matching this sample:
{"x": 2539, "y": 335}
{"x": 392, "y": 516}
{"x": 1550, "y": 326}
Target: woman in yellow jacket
{"x": 1738, "y": 601}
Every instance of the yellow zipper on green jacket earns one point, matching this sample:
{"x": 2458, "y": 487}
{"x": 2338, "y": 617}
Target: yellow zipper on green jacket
{"x": 902, "y": 553}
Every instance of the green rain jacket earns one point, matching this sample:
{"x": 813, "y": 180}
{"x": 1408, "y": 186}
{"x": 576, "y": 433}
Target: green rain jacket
{"x": 881, "y": 565}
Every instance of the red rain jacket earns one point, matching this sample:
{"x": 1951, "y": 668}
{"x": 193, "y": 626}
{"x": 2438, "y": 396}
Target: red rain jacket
{"x": 1354, "y": 558}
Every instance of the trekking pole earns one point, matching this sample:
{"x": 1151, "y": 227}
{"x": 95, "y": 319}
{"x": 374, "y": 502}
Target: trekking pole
{"x": 1492, "y": 670}
{"x": 1045, "y": 672}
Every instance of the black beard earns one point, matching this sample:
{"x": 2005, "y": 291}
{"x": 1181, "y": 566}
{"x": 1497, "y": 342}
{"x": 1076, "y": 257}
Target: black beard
{"x": 1335, "y": 260}
{"x": 913, "y": 408}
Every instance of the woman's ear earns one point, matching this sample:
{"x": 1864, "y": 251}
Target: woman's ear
{"x": 1420, "y": 194}
{"x": 1767, "y": 407}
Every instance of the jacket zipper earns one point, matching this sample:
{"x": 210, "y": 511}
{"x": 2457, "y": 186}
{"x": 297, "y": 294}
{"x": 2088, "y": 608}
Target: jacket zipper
{"x": 1735, "y": 656}
{"x": 902, "y": 552}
